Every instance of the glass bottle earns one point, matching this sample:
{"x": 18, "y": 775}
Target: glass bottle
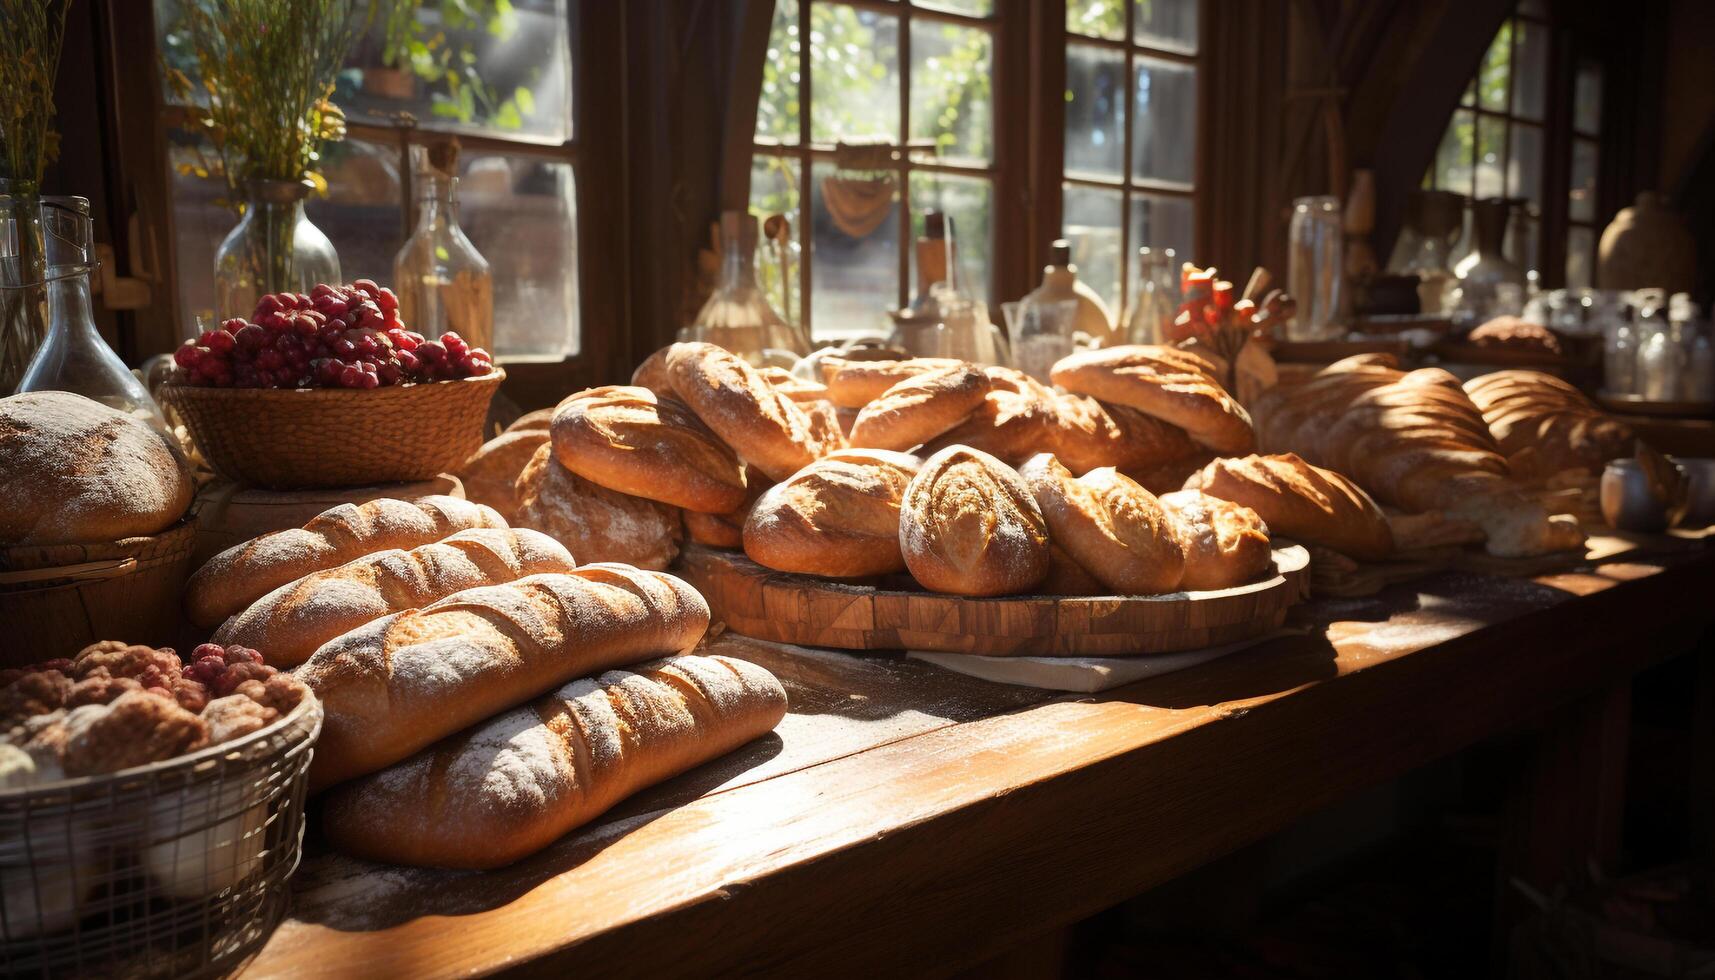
{"x": 737, "y": 316}
{"x": 443, "y": 282}
{"x": 931, "y": 264}
{"x": 23, "y": 296}
{"x": 1619, "y": 358}
{"x": 274, "y": 248}
{"x": 960, "y": 326}
{"x": 1315, "y": 268}
{"x": 1155, "y": 302}
{"x": 1487, "y": 267}
{"x": 1060, "y": 282}
{"x": 74, "y": 358}
{"x": 1660, "y": 360}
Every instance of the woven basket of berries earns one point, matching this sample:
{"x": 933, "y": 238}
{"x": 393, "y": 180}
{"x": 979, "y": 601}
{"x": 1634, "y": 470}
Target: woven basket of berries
{"x": 329, "y": 389}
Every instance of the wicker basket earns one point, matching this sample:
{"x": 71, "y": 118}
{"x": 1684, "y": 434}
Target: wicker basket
{"x": 175, "y": 869}
{"x": 304, "y": 438}
{"x": 57, "y": 599}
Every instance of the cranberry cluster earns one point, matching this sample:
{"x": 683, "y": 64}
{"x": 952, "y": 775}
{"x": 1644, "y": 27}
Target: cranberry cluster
{"x": 333, "y": 337}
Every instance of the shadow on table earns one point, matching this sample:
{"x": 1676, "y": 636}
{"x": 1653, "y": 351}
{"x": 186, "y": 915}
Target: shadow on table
{"x": 1271, "y": 667}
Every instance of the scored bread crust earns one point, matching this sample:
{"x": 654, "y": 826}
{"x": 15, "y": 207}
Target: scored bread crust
{"x": 653, "y": 374}
{"x": 490, "y": 476}
{"x": 1226, "y": 544}
{"x": 854, "y": 384}
{"x": 920, "y": 408}
{"x": 1113, "y": 528}
{"x": 1086, "y": 434}
{"x": 767, "y": 429}
{"x": 595, "y": 523}
{"x": 526, "y": 777}
{"x": 243, "y": 573}
{"x": 1545, "y": 425}
{"x": 1300, "y": 501}
{"x": 626, "y": 439}
{"x": 792, "y": 386}
{"x": 968, "y": 526}
{"x": 837, "y": 517}
{"x": 1175, "y": 386}
{"x": 400, "y": 683}
{"x": 289, "y": 623}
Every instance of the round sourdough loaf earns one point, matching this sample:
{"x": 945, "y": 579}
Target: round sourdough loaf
{"x": 1116, "y": 530}
{"x": 837, "y": 517}
{"x": 490, "y": 476}
{"x": 1301, "y": 501}
{"x": 626, "y": 439}
{"x": 920, "y": 408}
{"x": 596, "y": 524}
{"x": 78, "y": 472}
{"x": 1175, "y": 386}
{"x": 968, "y": 526}
{"x": 765, "y": 427}
{"x": 1226, "y": 544}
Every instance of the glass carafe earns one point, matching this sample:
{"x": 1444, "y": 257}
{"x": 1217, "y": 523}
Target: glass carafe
{"x": 957, "y": 322}
{"x": 23, "y": 296}
{"x": 1316, "y": 268}
{"x": 1155, "y": 301}
{"x": 74, "y": 358}
{"x": 443, "y": 282}
{"x": 737, "y": 316}
{"x": 274, "y": 248}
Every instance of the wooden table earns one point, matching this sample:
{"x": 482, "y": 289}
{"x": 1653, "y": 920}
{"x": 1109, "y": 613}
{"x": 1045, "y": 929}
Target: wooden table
{"x": 904, "y": 817}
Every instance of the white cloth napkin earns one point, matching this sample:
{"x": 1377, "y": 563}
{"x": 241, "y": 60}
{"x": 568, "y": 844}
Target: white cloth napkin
{"x": 1085, "y": 675}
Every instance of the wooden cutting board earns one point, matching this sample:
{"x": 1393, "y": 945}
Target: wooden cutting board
{"x": 810, "y": 611}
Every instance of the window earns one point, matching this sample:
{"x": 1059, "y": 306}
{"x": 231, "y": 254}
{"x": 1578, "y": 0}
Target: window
{"x": 1131, "y": 135}
{"x": 871, "y": 113}
{"x": 1581, "y": 229}
{"x": 496, "y": 73}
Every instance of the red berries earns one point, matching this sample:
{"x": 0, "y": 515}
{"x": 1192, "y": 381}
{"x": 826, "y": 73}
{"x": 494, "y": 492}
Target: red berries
{"x": 334, "y": 336}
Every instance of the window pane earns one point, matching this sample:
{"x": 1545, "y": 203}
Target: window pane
{"x": 1090, "y": 220}
{"x": 1452, "y": 166}
{"x": 969, "y": 202}
{"x": 1095, "y": 94}
{"x": 1587, "y": 100}
{"x": 1524, "y": 164}
{"x": 854, "y": 74}
{"x": 521, "y": 214}
{"x": 1582, "y": 206}
{"x": 855, "y": 267}
{"x": 774, "y": 190}
{"x": 1530, "y": 72}
{"x": 1469, "y": 98}
{"x": 1163, "y": 135}
{"x": 1170, "y": 24}
{"x": 1492, "y": 74}
{"x": 951, "y": 83}
{"x": 1491, "y": 146}
{"x": 777, "y": 108}
{"x": 974, "y": 8}
{"x": 1580, "y": 257}
{"x": 1160, "y": 221}
{"x": 1096, "y": 18}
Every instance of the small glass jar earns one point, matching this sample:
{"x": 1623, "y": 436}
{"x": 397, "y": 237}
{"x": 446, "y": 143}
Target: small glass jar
{"x": 1315, "y": 269}
{"x": 1619, "y": 358}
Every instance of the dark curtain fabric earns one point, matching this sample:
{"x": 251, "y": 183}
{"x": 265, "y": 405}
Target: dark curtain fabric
{"x": 1240, "y": 142}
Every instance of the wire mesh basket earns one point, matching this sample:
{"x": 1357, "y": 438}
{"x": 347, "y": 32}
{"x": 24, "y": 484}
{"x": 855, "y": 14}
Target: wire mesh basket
{"x": 174, "y": 869}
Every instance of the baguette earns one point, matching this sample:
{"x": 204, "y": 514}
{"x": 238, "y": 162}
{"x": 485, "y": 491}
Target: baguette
{"x": 289, "y": 623}
{"x": 514, "y": 784}
{"x": 403, "y": 682}
{"x": 238, "y": 576}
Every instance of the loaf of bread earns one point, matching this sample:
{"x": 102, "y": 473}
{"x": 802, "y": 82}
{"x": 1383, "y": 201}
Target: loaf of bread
{"x": 792, "y": 386}
{"x": 1303, "y": 502}
{"x": 837, "y": 517}
{"x": 1175, "y": 386}
{"x": 405, "y": 681}
{"x": 78, "y": 472}
{"x": 532, "y": 421}
{"x": 490, "y": 476}
{"x": 1517, "y": 334}
{"x": 854, "y": 384}
{"x": 920, "y": 408}
{"x": 968, "y": 526}
{"x": 289, "y": 623}
{"x": 1067, "y": 577}
{"x": 652, "y": 374}
{"x": 767, "y": 429}
{"x": 726, "y": 530}
{"x": 1546, "y": 426}
{"x": 230, "y": 581}
{"x": 1086, "y": 434}
{"x": 1226, "y": 544}
{"x": 593, "y": 522}
{"x": 526, "y": 777}
{"x": 626, "y": 439}
{"x": 1113, "y": 528}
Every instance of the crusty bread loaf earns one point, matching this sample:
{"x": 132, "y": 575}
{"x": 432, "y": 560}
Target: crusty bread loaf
{"x": 595, "y": 523}
{"x": 490, "y": 476}
{"x": 652, "y": 374}
{"x": 405, "y": 681}
{"x": 1303, "y": 502}
{"x": 1175, "y": 386}
{"x": 1067, "y": 577}
{"x": 765, "y": 427}
{"x": 792, "y": 386}
{"x": 837, "y": 517}
{"x": 291, "y": 622}
{"x": 726, "y": 530}
{"x": 533, "y": 421}
{"x": 920, "y": 408}
{"x": 1226, "y": 544}
{"x": 78, "y": 472}
{"x": 1086, "y": 434}
{"x": 238, "y": 576}
{"x": 827, "y": 433}
{"x": 626, "y": 439}
{"x": 1008, "y": 424}
{"x": 968, "y": 526}
{"x": 1113, "y": 528}
{"x": 1546, "y": 426}
{"x": 526, "y": 777}
{"x": 854, "y": 384}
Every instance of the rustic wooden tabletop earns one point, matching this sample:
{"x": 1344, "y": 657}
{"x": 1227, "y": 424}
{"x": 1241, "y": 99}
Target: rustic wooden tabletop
{"x": 904, "y": 815}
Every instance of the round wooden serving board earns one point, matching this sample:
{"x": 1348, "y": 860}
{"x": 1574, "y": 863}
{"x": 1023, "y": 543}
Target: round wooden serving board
{"x": 811, "y": 611}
